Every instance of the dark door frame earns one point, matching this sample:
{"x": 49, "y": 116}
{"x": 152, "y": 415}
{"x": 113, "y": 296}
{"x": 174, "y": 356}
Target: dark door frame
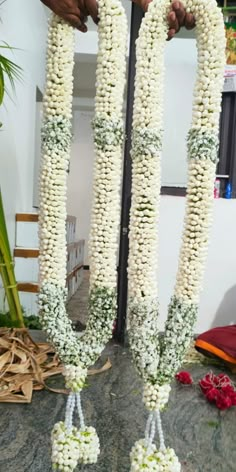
{"x": 136, "y": 18}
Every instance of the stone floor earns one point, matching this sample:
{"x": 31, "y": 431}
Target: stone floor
{"x": 77, "y": 306}
{"x": 202, "y": 436}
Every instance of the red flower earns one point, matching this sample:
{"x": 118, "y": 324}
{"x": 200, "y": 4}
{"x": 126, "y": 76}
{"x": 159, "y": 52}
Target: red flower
{"x": 223, "y": 401}
{"x": 212, "y": 394}
{"x": 219, "y": 390}
{"x": 233, "y": 398}
{"x": 224, "y": 379}
{"x": 208, "y": 382}
{"x": 184, "y": 378}
{"x": 228, "y": 390}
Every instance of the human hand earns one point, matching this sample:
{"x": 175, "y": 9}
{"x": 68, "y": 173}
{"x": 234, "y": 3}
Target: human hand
{"x": 177, "y": 16}
{"x": 77, "y": 11}
{"x": 74, "y": 12}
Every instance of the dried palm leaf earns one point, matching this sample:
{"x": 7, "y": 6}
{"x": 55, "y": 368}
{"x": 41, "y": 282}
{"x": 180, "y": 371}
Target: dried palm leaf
{"x": 25, "y": 366}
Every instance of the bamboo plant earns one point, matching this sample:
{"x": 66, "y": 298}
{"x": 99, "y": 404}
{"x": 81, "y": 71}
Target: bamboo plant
{"x": 8, "y": 274}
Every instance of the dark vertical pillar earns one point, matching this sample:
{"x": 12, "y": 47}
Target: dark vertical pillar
{"x": 227, "y": 154}
{"x": 136, "y": 18}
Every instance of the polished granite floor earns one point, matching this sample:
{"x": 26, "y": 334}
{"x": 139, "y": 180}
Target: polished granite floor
{"x": 202, "y": 436}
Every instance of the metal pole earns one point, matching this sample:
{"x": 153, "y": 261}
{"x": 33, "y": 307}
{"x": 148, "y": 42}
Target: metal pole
{"x": 136, "y": 18}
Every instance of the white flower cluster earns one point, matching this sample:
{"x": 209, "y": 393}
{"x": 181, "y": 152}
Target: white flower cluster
{"x": 198, "y": 218}
{"x": 142, "y": 318}
{"x": 178, "y": 334}
{"x": 71, "y": 447}
{"x": 203, "y": 143}
{"x": 149, "y": 79}
{"x": 102, "y": 307}
{"x": 146, "y": 146}
{"x": 60, "y": 63}
{"x": 52, "y": 216}
{"x": 105, "y": 218}
{"x": 107, "y": 132}
{"x": 81, "y": 352}
{"x": 56, "y": 134}
{"x": 202, "y": 148}
{"x": 75, "y": 377}
{"x": 111, "y": 63}
{"x": 108, "y": 137}
{"x": 145, "y": 141}
{"x": 211, "y": 61}
{"x": 69, "y": 444}
{"x": 155, "y": 397}
{"x": 89, "y": 445}
{"x": 55, "y": 322}
{"x": 149, "y": 459}
{"x": 144, "y": 216}
{"x": 202, "y": 153}
{"x": 65, "y": 451}
{"x": 56, "y": 137}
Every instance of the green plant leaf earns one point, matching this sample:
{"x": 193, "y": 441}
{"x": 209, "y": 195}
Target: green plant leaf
{"x": 2, "y": 82}
{"x": 8, "y": 69}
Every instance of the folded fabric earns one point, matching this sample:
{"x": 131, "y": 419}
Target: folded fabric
{"x": 220, "y": 342}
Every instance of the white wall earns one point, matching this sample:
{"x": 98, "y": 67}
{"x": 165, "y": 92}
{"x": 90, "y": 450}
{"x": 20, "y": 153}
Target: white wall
{"x": 81, "y": 174}
{"x": 218, "y": 298}
{"x": 24, "y": 26}
{"x": 180, "y": 61}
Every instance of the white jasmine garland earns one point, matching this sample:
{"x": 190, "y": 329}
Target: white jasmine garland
{"x": 144, "y": 459}
{"x": 71, "y": 447}
{"x": 75, "y": 377}
{"x": 155, "y": 397}
{"x": 158, "y": 359}
{"x": 69, "y": 444}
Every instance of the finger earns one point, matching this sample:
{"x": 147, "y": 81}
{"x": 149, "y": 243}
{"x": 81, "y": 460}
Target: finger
{"x": 82, "y": 7}
{"x": 171, "y": 34}
{"x": 173, "y": 22}
{"x": 92, "y": 8}
{"x": 179, "y": 10}
{"x": 142, "y": 3}
{"x": 73, "y": 20}
{"x": 175, "y": 5}
{"x": 46, "y": 2}
{"x": 189, "y": 21}
{"x": 83, "y": 28}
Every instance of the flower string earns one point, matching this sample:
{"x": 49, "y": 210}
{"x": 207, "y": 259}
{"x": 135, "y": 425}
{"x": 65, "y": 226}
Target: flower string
{"x": 69, "y": 444}
{"x": 157, "y": 359}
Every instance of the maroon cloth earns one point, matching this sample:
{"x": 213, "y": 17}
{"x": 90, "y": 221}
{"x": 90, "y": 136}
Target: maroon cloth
{"x": 223, "y": 338}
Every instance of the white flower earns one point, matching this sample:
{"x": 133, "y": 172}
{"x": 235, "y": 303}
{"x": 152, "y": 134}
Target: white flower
{"x": 144, "y": 217}
{"x": 71, "y": 447}
{"x": 69, "y": 444}
{"x": 149, "y": 459}
{"x": 56, "y": 139}
{"x": 75, "y": 377}
{"x": 156, "y": 397}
